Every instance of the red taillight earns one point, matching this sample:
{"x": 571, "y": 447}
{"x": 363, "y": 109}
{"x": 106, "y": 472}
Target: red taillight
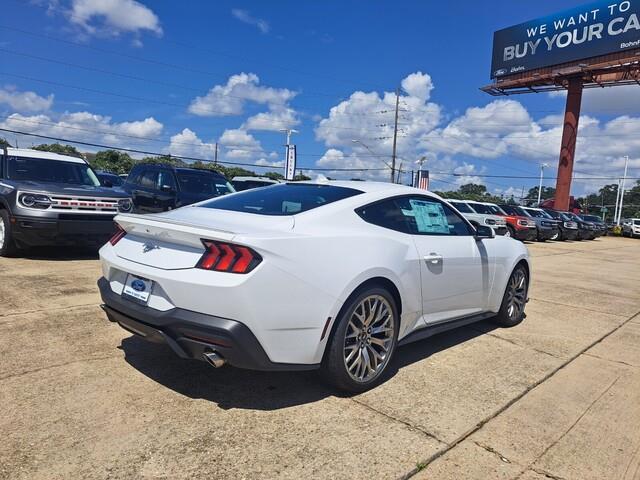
{"x": 227, "y": 257}
{"x": 120, "y": 233}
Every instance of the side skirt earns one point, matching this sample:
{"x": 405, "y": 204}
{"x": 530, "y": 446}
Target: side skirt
{"x": 430, "y": 330}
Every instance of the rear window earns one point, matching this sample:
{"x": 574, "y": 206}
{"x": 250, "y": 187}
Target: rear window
{"x": 283, "y": 199}
{"x": 537, "y": 213}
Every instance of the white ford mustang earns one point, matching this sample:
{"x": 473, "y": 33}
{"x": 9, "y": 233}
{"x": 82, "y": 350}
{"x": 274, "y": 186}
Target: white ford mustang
{"x": 306, "y": 275}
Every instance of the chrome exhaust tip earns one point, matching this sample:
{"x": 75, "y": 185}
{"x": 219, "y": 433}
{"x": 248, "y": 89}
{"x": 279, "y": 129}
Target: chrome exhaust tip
{"x": 214, "y": 359}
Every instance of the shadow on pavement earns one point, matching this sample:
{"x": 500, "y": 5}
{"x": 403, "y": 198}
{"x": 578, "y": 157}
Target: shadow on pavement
{"x": 59, "y": 253}
{"x": 230, "y": 387}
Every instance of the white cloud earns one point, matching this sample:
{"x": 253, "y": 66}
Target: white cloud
{"x": 84, "y": 126}
{"x": 607, "y": 101}
{"x": 245, "y": 17}
{"x": 277, "y": 118}
{"x": 187, "y": 144}
{"x": 418, "y": 85}
{"x": 231, "y": 98}
{"x": 24, "y": 101}
{"x": 112, "y": 17}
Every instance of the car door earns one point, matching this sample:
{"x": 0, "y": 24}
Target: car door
{"x": 144, "y": 196}
{"x": 166, "y": 193}
{"x": 456, "y": 271}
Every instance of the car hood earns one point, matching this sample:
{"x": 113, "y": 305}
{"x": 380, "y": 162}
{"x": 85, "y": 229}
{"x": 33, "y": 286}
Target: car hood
{"x": 66, "y": 189}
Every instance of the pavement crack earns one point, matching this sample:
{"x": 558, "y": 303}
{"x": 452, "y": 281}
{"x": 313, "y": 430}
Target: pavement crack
{"x": 610, "y": 360}
{"x": 575, "y": 306}
{"x": 57, "y": 365}
{"x": 514, "y": 343}
{"x": 493, "y": 451}
{"x": 539, "y": 471}
{"x": 41, "y": 310}
{"x": 396, "y": 419}
{"x": 424, "y": 464}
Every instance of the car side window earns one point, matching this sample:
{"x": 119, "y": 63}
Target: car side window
{"x": 148, "y": 179}
{"x": 165, "y": 179}
{"x": 428, "y": 216}
{"x": 416, "y": 216}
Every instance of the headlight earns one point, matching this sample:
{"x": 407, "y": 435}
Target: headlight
{"x": 125, "y": 205}
{"x": 523, "y": 223}
{"x": 489, "y": 221}
{"x": 570, "y": 225}
{"x": 35, "y": 200}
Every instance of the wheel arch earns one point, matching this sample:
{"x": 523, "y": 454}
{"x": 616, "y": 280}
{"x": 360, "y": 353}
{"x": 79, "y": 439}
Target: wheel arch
{"x": 379, "y": 281}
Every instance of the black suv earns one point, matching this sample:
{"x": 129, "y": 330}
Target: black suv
{"x": 568, "y": 227}
{"x": 597, "y": 221}
{"x": 51, "y": 199}
{"x": 159, "y": 187}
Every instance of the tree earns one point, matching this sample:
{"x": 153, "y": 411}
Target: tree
{"x": 472, "y": 189}
{"x": 165, "y": 159}
{"x": 4, "y": 143}
{"x": 274, "y": 175}
{"x": 59, "y": 148}
{"x": 547, "y": 192}
{"x": 112, "y": 161}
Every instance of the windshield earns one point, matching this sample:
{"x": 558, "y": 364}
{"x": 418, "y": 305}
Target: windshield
{"x": 591, "y": 218}
{"x": 462, "y": 207}
{"x": 636, "y": 222}
{"x": 52, "y": 171}
{"x": 203, "y": 183}
{"x": 480, "y": 208}
{"x": 537, "y": 213}
{"x": 283, "y": 199}
{"x": 554, "y": 214}
{"x": 514, "y": 210}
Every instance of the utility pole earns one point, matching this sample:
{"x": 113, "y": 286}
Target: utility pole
{"x": 615, "y": 211}
{"x": 624, "y": 180}
{"x": 395, "y": 137}
{"x": 215, "y": 155}
{"x": 542, "y": 165}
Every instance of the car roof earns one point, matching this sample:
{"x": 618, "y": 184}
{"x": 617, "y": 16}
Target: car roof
{"x": 28, "y": 152}
{"x": 373, "y": 187}
{"x": 186, "y": 169}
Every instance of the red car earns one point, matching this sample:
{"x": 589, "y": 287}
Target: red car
{"x": 519, "y": 227}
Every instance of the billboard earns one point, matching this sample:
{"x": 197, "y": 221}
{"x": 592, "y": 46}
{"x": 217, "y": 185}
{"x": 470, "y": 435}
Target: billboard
{"x": 591, "y": 30}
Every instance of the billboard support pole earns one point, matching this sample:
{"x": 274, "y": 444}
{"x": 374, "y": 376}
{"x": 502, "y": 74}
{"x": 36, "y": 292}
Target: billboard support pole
{"x": 568, "y": 146}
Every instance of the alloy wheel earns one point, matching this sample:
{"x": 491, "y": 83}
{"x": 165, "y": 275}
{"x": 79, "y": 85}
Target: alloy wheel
{"x": 369, "y": 338}
{"x": 516, "y": 293}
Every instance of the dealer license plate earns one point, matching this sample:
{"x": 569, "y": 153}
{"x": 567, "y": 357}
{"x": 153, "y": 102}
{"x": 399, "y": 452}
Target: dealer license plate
{"x": 137, "y": 289}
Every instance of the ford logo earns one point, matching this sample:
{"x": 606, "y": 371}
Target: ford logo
{"x": 138, "y": 285}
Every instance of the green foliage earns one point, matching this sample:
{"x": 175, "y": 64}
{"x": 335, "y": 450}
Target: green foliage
{"x": 274, "y": 176}
{"x": 547, "y": 192}
{"x": 472, "y": 191}
{"x": 607, "y": 196}
{"x": 165, "y": 159}
{"x": 59, "y": 148}
{"x": 112, "y": 161}
{"x": 4, "y": 143}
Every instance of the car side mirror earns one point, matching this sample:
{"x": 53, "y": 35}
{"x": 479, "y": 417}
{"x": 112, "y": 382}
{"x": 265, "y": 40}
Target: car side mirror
{"x": 482, "y": 231}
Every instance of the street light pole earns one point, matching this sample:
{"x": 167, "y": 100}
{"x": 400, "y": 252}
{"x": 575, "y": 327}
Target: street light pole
{"x": 624, "y": 180}
{"x": 542, "y": 165}
{"x": 395, "y": 137}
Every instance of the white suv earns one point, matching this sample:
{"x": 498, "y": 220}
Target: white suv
{"x": 496, "y": 222}
{"x": 631, "y": 228}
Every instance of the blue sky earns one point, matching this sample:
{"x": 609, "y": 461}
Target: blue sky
{"x": 237, "y": 72}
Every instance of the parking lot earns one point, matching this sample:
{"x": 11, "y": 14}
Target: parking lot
{"x": 555, "y": 397}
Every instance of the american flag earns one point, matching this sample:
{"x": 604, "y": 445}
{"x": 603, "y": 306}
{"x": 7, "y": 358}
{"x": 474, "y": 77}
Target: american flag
{"x": 422, "y": 180}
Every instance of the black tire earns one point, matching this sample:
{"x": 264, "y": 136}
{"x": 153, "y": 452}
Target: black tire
{"x": 505, "y": 317}
{"x": 7, "y": 245}
{"x": 334, "y": 365}
{"x": 510, "y": 232}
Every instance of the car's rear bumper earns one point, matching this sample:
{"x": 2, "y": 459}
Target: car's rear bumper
{"x": 41, "y": 231}
{"x": 191, "y": 334}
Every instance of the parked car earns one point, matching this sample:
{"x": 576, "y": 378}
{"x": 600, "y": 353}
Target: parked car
{"x": 518, "y": 226}
{"x": 498, "y": 223}
{"x": 51, "y": 199}
{"x": 109, "y": 180}
{"x": 601, "y": 227}
{"x": 586, "y": 230}
{"x": 306, "y": 275}
{"x": 246, "y": 183}
{"x": 568, "y": 227}
{"x": 159, "y": 187}
{"x": 548, "y": 228}
{"x": 631, "y": 228}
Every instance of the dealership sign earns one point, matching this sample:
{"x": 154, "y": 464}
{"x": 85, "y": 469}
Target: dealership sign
{"x": 589, "y": 31}
{"x": 290, "y": 163}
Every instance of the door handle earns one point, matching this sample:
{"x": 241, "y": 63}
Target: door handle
{"x": 433, "y": 258}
